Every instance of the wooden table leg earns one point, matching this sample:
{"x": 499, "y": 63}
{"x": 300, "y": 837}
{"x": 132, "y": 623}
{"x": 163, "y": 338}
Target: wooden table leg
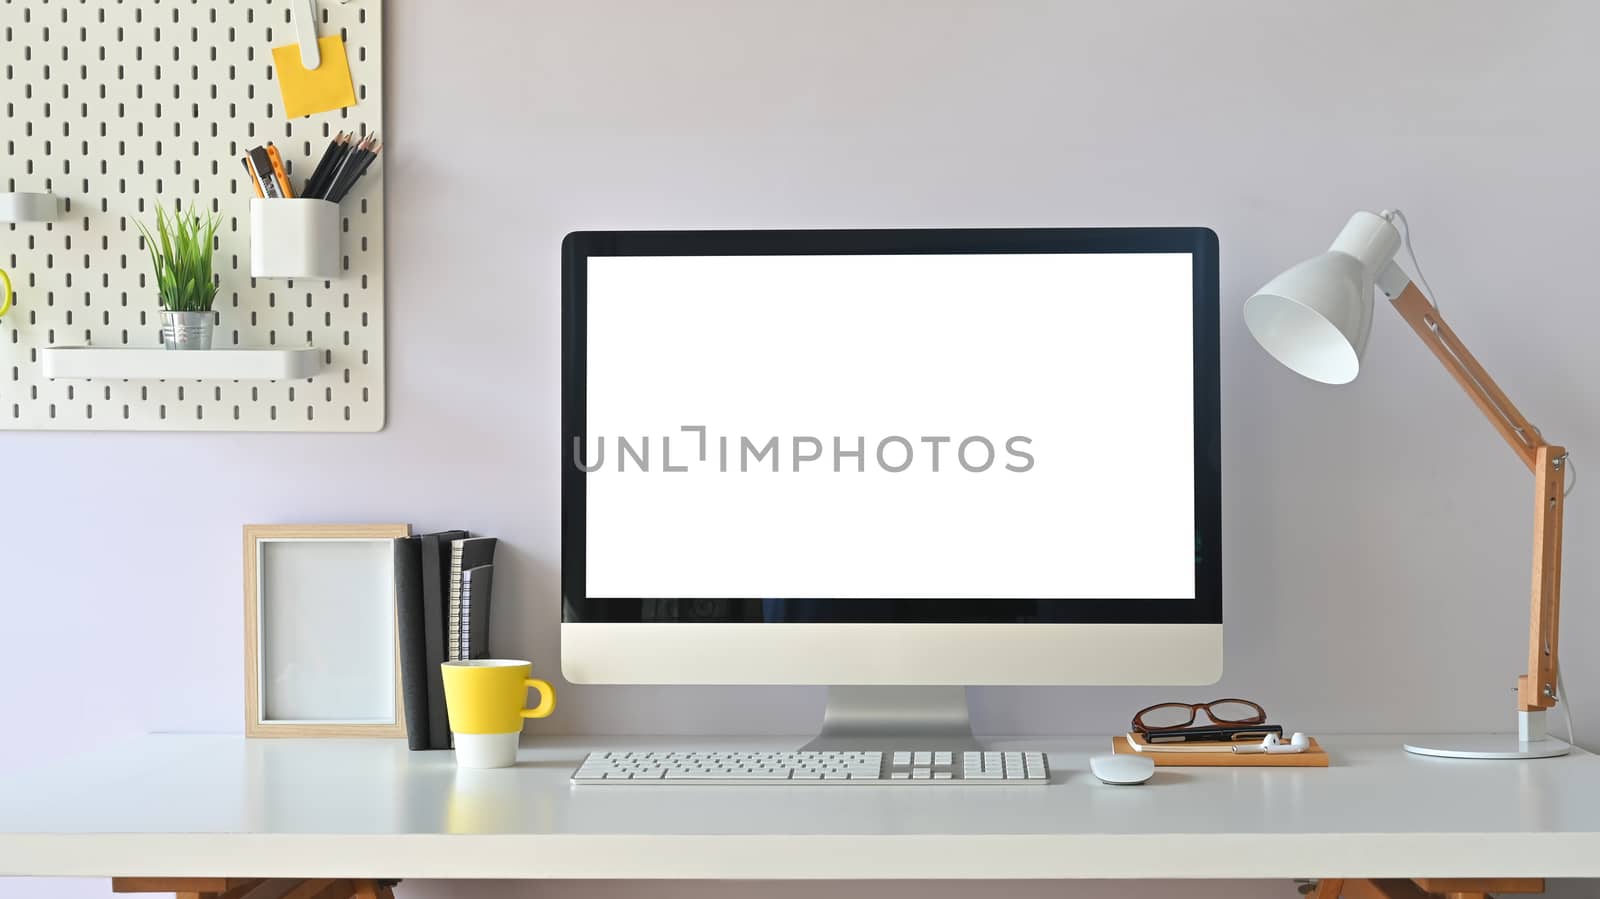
{"x": 255, "y": 888}
{"x": 1470, "y": 887}
{"x": 1427, "y": 887}
{"x": 171, "y": 884}
{"x": 1385, "y": 888}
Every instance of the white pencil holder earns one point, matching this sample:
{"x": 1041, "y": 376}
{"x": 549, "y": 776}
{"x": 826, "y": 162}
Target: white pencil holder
{"x": 294, "y": 238}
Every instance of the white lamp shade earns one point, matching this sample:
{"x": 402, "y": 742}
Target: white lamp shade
{"x": 1315, "y": 317}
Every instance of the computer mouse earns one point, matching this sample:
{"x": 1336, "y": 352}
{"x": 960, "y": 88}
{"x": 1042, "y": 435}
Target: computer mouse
{"x": 1122, "y": 769}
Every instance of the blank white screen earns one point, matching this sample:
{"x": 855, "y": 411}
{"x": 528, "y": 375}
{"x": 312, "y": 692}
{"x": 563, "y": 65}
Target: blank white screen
{"x": 1088, "y": 355}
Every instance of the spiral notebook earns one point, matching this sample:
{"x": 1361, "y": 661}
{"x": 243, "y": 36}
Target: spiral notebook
{"x": 465, "y": 554}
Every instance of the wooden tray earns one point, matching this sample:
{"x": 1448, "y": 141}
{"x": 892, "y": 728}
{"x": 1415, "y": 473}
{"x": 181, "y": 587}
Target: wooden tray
{"x": 1315, "y": 757}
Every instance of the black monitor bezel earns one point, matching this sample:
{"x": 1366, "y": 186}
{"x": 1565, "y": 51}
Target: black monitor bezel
{"x": 1201, "y": 243}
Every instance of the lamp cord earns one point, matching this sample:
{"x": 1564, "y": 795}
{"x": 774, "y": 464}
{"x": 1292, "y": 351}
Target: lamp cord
{"x": 1405, "y": 237}
{"x": 1566, "y": 707}
{"x": 1561, "y": 684}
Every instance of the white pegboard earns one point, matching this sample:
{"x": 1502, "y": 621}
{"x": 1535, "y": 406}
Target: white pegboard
{"x": 116, "y": 104}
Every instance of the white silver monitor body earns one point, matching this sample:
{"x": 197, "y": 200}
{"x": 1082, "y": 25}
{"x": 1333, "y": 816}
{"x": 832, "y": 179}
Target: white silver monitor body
{"x": 893, "y": 681}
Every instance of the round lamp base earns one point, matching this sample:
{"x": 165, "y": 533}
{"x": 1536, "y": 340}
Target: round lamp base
{"x": 1491, "y": 746}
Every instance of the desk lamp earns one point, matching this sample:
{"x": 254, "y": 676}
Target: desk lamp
{"x": 1315, "y": 317}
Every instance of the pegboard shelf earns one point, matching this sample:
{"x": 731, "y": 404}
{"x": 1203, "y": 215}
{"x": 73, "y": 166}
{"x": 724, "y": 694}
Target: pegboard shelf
{"x": 159, "y": 364}
{"x": 19, "y": 206}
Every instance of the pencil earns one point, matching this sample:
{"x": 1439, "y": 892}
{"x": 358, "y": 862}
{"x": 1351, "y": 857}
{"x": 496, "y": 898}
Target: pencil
{"x": 350, "y": 146}
{"x": 325, "y": 164}
{"x": 366, "y": 163}
{"x": 337, "y": 183}
{"x": 357, "y": 169}
{"x": 333, "y": 163}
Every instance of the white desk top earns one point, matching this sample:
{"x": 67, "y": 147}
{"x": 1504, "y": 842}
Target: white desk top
{"x": 214, "y": 805}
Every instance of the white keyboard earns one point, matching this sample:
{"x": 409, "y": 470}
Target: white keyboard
{"x": 903, "y": 767}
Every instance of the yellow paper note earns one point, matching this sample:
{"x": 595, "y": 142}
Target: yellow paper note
{"x": 326, "y": 87}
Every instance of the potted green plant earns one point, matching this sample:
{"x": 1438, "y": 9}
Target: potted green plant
{"x": 180, "y": 250}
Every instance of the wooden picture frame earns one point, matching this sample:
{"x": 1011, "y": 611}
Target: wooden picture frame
{"x": 321, "y": 631}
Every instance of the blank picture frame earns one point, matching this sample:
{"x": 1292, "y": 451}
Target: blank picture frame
{"x": 321, "y": 639}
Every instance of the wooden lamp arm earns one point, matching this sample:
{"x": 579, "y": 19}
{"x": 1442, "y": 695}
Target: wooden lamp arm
{"x": 1536, "y": 690}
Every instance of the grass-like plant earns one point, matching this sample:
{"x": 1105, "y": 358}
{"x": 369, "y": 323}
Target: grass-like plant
{"x": 180, "y": 250}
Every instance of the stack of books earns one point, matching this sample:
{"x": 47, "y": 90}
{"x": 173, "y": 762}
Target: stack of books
{"x": 443, "y": 584}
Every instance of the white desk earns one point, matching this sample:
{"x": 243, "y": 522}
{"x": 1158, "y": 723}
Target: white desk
{"x": 218, "y": 805}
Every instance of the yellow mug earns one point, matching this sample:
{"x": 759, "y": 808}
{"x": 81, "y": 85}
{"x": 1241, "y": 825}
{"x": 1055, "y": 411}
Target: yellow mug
{"x": 484, "y": 699}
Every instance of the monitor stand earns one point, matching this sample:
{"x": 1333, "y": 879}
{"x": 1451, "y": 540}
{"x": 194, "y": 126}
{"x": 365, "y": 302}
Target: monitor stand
{"x": 895, "y": 718}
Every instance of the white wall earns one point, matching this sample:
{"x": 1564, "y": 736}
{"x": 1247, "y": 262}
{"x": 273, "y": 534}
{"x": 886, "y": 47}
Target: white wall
{"x": 1377, "y": 536}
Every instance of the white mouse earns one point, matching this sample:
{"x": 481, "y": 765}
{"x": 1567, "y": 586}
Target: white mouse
{"x": 1122, "y": 769}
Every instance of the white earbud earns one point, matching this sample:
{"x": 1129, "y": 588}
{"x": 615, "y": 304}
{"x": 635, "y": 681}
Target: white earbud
{"x": 1297, "y": 743}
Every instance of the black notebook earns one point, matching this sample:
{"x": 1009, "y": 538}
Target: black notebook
{"x": 413, "y": 639}
{"x": 477, "y": 584}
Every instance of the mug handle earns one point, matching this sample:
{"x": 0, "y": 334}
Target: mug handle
{"x": 5, "y": 297}
{"x": 547, "y": 698}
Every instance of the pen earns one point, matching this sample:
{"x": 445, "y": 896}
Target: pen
{"x": 251, "y": 174}
{"x": 278, "y": 170}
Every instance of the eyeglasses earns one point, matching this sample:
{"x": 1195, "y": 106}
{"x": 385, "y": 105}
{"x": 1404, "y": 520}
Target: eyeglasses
{"x": 1169, "y": 716}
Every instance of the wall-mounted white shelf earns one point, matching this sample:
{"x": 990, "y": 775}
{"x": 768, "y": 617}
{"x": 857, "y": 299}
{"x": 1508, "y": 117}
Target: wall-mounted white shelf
{"x": 145, "y": 364}
{"x": 29, "y": 207}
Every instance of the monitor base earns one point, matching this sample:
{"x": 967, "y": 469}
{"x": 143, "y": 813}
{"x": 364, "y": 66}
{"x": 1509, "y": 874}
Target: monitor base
{"x": 887, "y": 718}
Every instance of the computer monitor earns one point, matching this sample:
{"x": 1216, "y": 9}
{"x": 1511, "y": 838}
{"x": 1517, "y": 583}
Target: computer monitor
{"x": 877, "y": 458}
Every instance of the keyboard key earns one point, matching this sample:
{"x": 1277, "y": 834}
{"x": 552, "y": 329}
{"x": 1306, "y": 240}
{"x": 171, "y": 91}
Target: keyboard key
{"x": 922, "y": 758}
{"x": 902, "y": 758}
{"x": 941, "y": 758}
